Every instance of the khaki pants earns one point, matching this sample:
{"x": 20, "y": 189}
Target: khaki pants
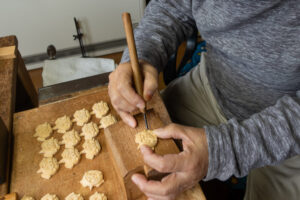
{"x": 190, "y": 102}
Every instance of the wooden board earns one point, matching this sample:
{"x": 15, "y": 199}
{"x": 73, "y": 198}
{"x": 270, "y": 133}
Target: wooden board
{"x": 25, "y": 80}
{"x": 7, "y": 91}
{"x": 13, "y": 75}
{"x": 26, "y": 159}
{"x": 8, "y": 76}
{"x": 10, "y": 40}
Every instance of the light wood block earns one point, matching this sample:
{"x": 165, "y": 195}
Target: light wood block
{"x": 7, "y": 52}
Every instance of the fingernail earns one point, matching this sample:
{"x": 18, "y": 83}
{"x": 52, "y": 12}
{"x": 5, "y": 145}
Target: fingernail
{"x": 149, "y": 95}
{"x": 140, "y": 105}
{"x": 143, "y": 149}
{"x": 131, "y": 123}
{"x": 134, "y": 179}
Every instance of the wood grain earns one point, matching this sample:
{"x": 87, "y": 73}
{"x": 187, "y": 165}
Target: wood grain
{"x": 12, "y": 68}
{"x": 7, "y": 52}
{"x": 137, "y": 75}
{"x": 26, "y": 159}
{"x": 10, "y": 40}
{"x": 36, "y": 77}
{"x": 25, "y": 80}
{"x": 7, "y": 90}
{"x": 8, "y": 74}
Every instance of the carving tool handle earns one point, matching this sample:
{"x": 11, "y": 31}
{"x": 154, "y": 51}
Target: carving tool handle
{"x": 137, "y": 75}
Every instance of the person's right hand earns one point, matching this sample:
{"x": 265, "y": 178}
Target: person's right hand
{"x": 122, "y": 93}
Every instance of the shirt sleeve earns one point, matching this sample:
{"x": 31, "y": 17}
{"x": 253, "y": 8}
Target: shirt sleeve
{"x": 164, "y": 26}
{"x": 266, "y": 138}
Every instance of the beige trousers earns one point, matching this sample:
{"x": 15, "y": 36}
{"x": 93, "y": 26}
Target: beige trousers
{"x": 190, "y": 101}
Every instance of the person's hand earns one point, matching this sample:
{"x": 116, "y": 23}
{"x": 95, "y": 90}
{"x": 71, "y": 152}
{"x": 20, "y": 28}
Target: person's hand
{"x": 186, "y": 168}
{"x": 122, "y": 93}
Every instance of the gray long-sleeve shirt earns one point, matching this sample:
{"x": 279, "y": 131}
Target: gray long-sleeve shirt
{"x": 253, "y": 65}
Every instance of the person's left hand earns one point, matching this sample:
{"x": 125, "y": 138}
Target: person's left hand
{"x": 186, "y": 168}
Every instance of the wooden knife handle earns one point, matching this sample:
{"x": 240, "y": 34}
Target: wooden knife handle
{"x": 137, "y": 75}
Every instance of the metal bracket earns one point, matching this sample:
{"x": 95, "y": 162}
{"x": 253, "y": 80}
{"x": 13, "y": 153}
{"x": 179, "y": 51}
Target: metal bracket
{"x": 79, "y": 37}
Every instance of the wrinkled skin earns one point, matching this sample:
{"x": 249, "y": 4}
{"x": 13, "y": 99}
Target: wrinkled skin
{"x": 187, "y": 168}
{"x": 122, "y": 94}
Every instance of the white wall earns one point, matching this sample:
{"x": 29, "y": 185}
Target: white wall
{"x": 38, "y": 23}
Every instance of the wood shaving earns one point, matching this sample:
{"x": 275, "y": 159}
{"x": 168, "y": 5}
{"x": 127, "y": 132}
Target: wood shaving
{"x": 26, "y": 197}
{"x": 90, "y": 130}
{"x": 50, "y": 147}
{"x": 63, "y": 124}
{"x": 100, "y": 109}
{"x": 43, "y": 131}
{"x": 91, "y": 148}
{"x": 98, "y": 196}
{"x": 74, "y": 196}
{"x": 70, "y": 157}
{"x": 107, "y": 121}
{"x": 50, "y": 197}
{"x": 70, "y": 139}
{"x": 92, "y": 178}
{"x": 146, "y": 137}
{"x": 81, "y": 117}
{"x": 48, "y": 167}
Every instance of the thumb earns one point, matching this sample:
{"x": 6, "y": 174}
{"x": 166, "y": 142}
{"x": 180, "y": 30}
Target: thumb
{"x": 150, "y": 81}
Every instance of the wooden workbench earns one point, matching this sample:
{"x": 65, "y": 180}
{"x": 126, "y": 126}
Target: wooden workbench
{"x": 26, "y": 159}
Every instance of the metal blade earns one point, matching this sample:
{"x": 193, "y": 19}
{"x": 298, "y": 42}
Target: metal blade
{"x": 146, "y": 121}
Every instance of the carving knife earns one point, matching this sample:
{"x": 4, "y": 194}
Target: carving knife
{"x": 137, "y": 75}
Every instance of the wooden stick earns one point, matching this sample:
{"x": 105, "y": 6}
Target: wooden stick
{"x": 137, "y": 75}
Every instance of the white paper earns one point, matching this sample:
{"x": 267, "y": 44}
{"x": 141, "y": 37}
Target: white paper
{"x": 62, "y": 70}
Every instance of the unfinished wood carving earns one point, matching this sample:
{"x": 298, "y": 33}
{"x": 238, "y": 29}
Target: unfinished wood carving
{"x": 48, "y": 167}
{"x": 63, "y": 124}
{"x": 92, "y": 178}
{"x": 100, "y": 109}
{"x": 43, "y": 131}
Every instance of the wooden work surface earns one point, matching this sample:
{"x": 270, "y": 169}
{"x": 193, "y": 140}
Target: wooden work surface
{"x": 26, "y": 159}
